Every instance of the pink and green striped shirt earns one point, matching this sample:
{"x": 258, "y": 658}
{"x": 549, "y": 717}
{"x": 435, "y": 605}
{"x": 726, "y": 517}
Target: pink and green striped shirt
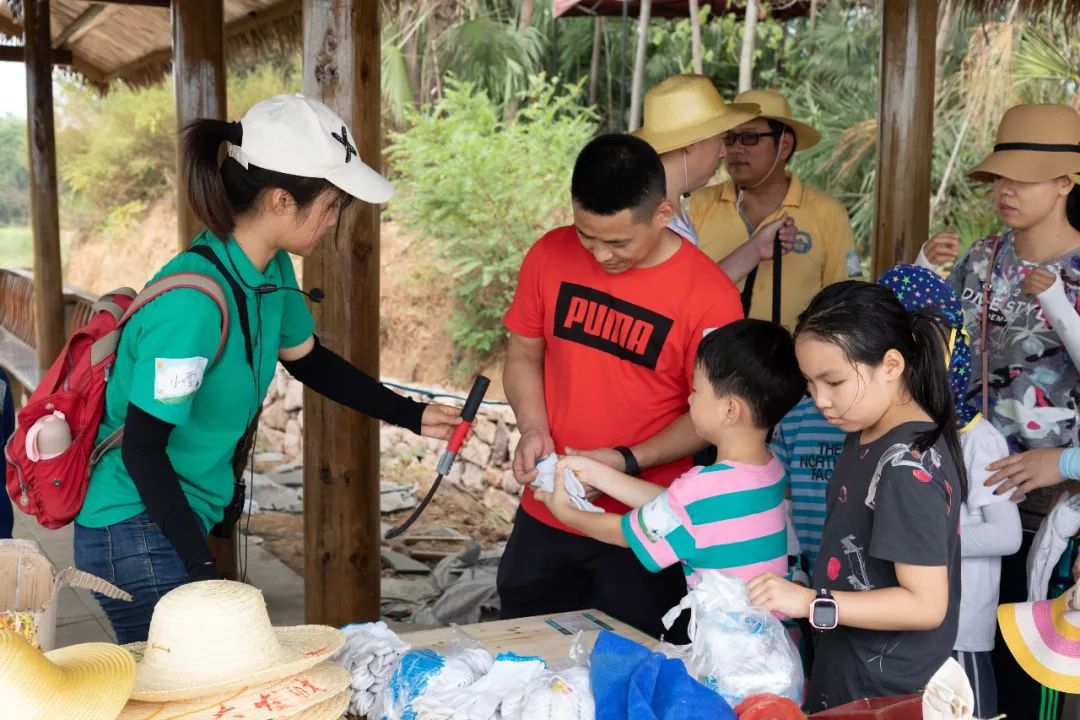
{"x": 727, "y": 518}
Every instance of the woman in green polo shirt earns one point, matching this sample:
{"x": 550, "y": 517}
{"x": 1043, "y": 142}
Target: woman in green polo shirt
{"x": 184, "y": 407}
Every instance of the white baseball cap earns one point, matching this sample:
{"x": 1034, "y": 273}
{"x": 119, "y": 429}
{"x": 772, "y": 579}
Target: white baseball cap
{"x": 296, "y": 135}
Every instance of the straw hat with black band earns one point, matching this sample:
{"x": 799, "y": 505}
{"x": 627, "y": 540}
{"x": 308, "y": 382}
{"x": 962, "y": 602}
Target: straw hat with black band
{"x": 91, "y": 681}
{"x": 1034, "y": 143}
{"x": 685, "y": 109}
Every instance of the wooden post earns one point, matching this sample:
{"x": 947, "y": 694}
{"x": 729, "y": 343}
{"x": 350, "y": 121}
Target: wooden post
{"x": 341, "y": 447}
{"x": 44, "y": 202}
{"x": 746, "y": 57}
{"x": 695, "y": 37}
{"x": 637, "y": 87}
{"x": 198, "y": 30}
{"x": 905, "y": 131}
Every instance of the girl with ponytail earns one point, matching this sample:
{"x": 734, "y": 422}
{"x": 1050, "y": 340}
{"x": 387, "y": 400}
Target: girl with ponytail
{"x": 886, "y": 589}
{"x": 186, "y": 398}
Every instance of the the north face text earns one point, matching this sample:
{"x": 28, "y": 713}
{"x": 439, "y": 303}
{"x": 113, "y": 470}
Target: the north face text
{"x": 606, "y": 323}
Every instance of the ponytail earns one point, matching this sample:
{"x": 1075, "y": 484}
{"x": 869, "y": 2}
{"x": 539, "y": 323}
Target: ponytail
{"x": 928, "y": 381}
{"x": 202, "y": 176}
{"x": 219, "y": 192}
{"x": 1072, "y": 207}
{"x": 865, "y": 320}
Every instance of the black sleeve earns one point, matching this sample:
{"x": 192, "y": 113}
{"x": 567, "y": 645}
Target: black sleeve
{"x": 913, "y": 514}
{"x": 143, "y": 452}
{"x": 333, "y": 377}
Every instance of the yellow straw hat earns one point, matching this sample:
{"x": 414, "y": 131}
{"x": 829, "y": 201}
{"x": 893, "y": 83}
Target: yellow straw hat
{"x": 775, "y": 106}
{"x": 90, "y": 681}
{"x": 214, "y": 637}
{"x": 685, "y": 109}
{"x": 1034, "y": 143}
{"x": 284, "y": 698}
{"x": 1044, "y": 637}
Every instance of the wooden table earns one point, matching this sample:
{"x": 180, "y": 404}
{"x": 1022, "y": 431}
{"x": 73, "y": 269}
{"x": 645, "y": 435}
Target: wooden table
{"x": 548, "y": 636}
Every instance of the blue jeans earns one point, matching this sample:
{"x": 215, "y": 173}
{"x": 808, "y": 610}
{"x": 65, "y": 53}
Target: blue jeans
{"x": 136, "y": 557}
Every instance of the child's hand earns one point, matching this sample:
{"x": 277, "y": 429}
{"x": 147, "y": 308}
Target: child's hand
{"x": 775, "y": 594}
{"x": 557, "y": 501}
{"x": 586, "y": 469}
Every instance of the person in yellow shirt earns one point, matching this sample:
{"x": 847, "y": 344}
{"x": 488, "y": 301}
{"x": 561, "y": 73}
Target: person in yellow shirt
{"x": 762, "y": 189}
{"x": 685, "y": 121}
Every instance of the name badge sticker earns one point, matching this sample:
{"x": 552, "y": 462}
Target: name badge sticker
{"x": 177, "y": 379}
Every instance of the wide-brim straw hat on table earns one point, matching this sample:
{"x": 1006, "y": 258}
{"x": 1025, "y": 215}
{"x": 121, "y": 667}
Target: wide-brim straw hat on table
{"x": 685, "y": 109}
{"x": 1034, "y": 143}
{"x": 214, "y": 637}
{"x": 775, "y": 106}
{"x": 305, "y": 691}
{"x": 91, "y": 681}
{"x": 1044, "y": 637}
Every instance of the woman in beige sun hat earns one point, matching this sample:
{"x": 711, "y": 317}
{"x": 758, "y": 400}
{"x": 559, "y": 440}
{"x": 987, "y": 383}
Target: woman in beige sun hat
{"x": 214, "y": 637}
{"x": 1021, "y": 291}
{"x": 90, "y": 681}
{"x": 685, "y": 119}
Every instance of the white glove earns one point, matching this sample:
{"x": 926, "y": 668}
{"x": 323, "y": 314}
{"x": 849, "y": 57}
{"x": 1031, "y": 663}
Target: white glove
{"x": 371, "y": 653}
{"x": 508, "y": 677}
{"x": 545, "y": 480}
{"x": 564, "y": 695}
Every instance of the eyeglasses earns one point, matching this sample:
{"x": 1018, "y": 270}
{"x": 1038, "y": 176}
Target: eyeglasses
{"x": 748, "y": 138}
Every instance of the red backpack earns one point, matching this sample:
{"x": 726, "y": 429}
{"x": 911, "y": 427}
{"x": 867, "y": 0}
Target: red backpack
{"x": 53, "y": 489}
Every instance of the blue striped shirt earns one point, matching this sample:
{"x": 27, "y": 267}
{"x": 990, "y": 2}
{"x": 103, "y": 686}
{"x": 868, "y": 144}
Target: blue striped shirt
{"x": 808, "y": 446}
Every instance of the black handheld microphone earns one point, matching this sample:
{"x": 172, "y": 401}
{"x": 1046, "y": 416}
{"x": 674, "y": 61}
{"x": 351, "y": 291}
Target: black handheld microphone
{"x": 316, "y": 295}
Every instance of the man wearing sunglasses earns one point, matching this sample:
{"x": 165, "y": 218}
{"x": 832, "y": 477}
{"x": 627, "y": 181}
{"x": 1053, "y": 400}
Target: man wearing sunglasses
{"x": 762, "y": 189}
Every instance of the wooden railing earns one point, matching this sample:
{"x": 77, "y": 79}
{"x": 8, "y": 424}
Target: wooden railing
{"x": 18, "y": 355}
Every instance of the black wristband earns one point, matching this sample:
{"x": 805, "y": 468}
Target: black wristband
{"x": 632, "y": 467}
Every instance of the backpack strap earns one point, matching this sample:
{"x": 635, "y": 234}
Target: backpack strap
{"x": 984, "y": 325}
{"x": 107, "y": 344}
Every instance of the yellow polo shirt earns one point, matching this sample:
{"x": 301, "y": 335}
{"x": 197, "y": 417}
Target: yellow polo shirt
{"x": 824, "y": 250}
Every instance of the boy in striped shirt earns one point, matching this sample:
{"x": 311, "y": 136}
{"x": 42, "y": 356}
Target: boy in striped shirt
{"x": 727, "y": 517}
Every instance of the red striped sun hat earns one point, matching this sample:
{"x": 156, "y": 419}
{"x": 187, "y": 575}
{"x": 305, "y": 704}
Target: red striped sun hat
{"x": 1044, "y": 637}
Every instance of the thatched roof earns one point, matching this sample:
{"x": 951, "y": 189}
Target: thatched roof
{"x": 133, "y": 43}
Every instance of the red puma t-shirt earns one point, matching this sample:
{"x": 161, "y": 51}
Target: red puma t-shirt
{"x": 619, "y": 349}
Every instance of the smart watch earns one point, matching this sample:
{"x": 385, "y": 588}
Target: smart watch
{"x": 823, "y": 612}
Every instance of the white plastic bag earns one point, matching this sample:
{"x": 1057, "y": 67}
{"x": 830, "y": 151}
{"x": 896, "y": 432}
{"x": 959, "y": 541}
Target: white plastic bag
{"x": 563, "y": 692}
{"x": 735, "y": 648}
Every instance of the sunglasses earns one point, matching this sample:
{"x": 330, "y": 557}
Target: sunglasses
{"x": 748, "y": 138}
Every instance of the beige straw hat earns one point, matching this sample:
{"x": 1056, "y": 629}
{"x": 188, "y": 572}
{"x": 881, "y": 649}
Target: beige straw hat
{"x": 90, "y": 681}
{"x": 215, "y": 637}
{"x": 685, "y": 109}
{"x": 270, "y": 701}
{"x": 775, "y": 106}
{"x": 331, "y": 709}
{"x": 1034, "y": 143}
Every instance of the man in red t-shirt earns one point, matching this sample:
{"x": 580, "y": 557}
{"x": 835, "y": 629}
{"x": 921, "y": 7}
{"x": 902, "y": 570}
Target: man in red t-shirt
{"x": 605, "y": 322}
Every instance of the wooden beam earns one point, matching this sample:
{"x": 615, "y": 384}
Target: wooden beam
{"x": 143, "y": 3}
{"x": 86, "y": 17}
{"x": 905, "y": 131}
{"x": 198, "y": 28}
{"x": 17, "y": 53}
{"x": 341, "y": 447}
{"x": 87, "y": 21}
{"x": 44, "y": 202}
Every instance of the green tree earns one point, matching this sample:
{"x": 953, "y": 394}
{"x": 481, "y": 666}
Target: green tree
{"x": 482, "y": 191}
{"x": 14, "y": 176}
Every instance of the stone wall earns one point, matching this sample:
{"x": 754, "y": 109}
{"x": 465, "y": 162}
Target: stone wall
{"x": 484, "y": 463}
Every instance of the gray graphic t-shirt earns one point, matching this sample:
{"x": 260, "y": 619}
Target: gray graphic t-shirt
{"x": 888, "y": 504}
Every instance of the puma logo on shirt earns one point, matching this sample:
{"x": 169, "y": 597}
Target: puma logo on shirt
{"x": 604, "y": 322}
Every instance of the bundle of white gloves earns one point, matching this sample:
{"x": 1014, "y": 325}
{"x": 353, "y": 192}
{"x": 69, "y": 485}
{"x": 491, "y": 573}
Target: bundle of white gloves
{"x": 392, "y": 682}
{"x": 371, "y": 653}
